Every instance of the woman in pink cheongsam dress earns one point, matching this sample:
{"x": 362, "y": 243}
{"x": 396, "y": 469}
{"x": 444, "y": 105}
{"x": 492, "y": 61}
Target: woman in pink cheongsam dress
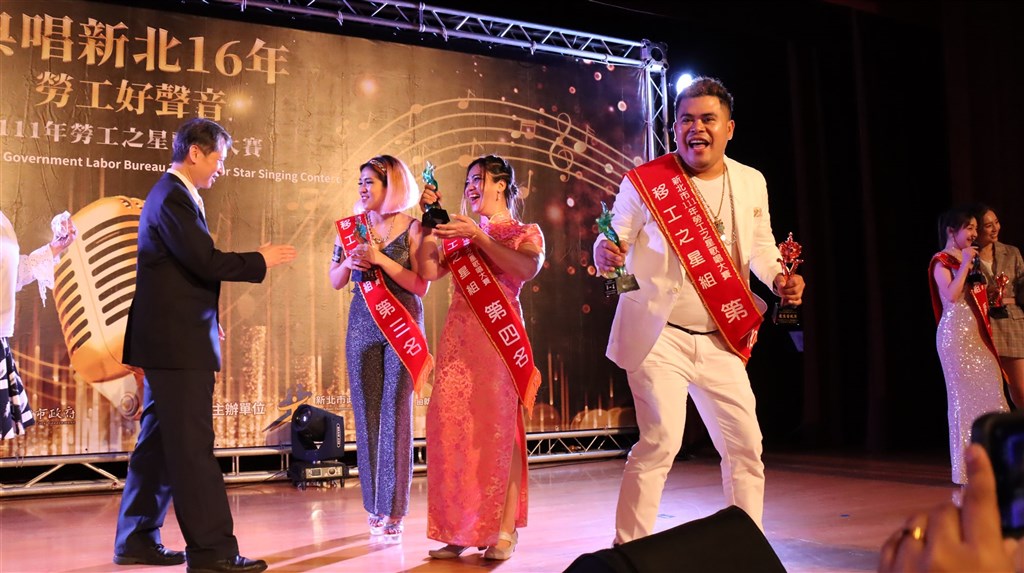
{"x": 476, "y": 439}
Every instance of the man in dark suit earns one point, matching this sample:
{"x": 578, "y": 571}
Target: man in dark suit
{"x": 174, "y": 334}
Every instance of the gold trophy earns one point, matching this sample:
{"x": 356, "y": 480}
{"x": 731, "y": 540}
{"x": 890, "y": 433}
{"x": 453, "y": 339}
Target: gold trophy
{"x": 996, "y": 309}
{"x": 788, "y": 315}
{"x": 621, "y": 282}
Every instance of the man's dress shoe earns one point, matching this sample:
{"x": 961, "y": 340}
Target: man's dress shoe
{"x": 236, "y": 564}
{"x": 155, "y": 555}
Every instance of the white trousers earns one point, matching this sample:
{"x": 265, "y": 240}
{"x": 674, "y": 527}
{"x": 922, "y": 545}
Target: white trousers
{"x": 716, "y": 379}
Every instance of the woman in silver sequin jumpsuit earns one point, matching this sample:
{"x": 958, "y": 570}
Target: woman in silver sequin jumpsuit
{"x": 974, "y": 384}
{"x": 380, "y": 385}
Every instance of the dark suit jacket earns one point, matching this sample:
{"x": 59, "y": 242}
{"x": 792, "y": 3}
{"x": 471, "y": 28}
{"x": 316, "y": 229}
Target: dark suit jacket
{"x": 172, "y": 323}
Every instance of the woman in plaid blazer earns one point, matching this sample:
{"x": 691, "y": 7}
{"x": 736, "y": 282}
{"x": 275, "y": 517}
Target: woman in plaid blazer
{"x": 1005, "y": 312}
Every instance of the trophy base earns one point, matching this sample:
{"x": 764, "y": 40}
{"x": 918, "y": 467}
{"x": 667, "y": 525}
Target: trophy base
{"x": 998, "y": 312}
{"x": 364, "y": 276}
{"x": 786, "y": 316}
{"x": 619, "y": 285}
{"x": 435, "y": 216}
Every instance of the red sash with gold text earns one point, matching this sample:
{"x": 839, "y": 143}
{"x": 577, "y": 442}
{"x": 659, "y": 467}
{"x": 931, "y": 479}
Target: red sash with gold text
{"x": 977, "y": 295}
{"x": 496, "y": 314}
{"x": 670, "y": 196}
{"x": 392, "y": 318}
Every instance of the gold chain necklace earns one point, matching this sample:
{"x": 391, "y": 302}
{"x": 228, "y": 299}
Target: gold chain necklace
{"x": 377, "y": 238}
{"x": 717, "y": 219}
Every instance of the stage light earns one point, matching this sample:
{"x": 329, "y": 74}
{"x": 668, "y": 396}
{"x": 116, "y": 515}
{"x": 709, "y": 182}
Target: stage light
{"x": 684, "y": 82}
{"x": 318, "y": 445}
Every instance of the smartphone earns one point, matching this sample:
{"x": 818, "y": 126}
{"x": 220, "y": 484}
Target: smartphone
{"x": 1002, "y": 436}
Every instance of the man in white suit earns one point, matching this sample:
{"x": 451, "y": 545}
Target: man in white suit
{"x": 692, "y": 225}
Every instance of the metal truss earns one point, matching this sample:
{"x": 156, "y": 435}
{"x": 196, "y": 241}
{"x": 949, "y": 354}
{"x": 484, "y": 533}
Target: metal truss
{"x": 541, "y": 448}
{"x": 447, "y": 24}
{"x": 45, "y": 483}
{"x": 580, "y": 445}
{"x": 425, "y": 19}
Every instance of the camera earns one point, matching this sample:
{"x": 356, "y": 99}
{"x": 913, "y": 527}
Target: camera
{"x": 1002, "y": 436}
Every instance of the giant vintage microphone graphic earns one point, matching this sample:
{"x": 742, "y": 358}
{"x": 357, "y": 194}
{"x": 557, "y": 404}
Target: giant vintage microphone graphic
{"x": 94, "y": 286}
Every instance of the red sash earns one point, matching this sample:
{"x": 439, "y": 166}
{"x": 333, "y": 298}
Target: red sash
{"x": 392, "y": 318}
{"x": 496, "y": 314}
{"x": 978, "y": 295}
{"x": 670, "y": 196}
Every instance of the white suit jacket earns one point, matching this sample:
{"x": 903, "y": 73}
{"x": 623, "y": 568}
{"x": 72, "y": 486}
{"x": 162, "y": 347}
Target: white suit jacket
{"x": 642, "y": 314}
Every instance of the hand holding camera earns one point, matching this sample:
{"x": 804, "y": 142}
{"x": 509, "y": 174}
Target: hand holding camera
{"x": 951, "y": 538}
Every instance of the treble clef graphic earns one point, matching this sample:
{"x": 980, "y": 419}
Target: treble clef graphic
{"x": 560, "y": 155}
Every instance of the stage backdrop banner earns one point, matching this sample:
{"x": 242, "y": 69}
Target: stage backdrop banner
{"x": 92, "y": 95}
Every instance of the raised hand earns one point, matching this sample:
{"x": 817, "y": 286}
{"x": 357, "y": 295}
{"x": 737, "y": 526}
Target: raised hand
{"x": 277, "y": 254}
{"x": 63, "y": 239}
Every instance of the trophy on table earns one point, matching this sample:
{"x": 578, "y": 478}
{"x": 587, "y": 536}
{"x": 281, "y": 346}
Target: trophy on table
{"x": 621, "y": 282}
{"x": 997, "y": 309}
{"x": 434, "y": 215}
{"x": 788, "y": 315}
{"x": 369, "y": 275}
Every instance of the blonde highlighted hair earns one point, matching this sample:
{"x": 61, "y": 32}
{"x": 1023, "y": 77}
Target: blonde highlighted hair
{"x": 401, "y": 190}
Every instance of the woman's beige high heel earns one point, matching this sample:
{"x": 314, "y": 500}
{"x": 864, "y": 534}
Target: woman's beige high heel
{"x": 502, "y": 554}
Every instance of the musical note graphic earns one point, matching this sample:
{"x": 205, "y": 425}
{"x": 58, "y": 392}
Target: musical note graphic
{"x": 561, "y": 156}
{"x": 464, "y": 102}
{"x": 588, "y": 139}
{"x": 524, "y": 190}
{"x": 527, "y": 129}
{"x": 370, "y": 119}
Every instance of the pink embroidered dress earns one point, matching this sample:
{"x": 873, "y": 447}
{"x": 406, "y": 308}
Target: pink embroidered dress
{"x": 475, "y": 420}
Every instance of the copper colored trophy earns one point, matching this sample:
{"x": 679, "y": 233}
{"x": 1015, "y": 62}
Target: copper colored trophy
{"x": 622, "y": 281}
{"x": 788, "y": 315}
{"x": 434, "y": 215}
{"x": 997, "y": 309}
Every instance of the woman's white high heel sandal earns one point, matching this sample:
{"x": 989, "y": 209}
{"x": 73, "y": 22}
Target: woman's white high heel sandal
{"x": 376, "y": 523}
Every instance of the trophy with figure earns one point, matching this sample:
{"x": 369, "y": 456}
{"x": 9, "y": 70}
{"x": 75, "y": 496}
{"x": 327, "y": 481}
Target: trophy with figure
{"x": 369, "y": 275}
{"x": 788, "y": 315}
{"x": 997, "y": 309}
{"x": 622, "y": 281}
{"x": 434, "y": 215}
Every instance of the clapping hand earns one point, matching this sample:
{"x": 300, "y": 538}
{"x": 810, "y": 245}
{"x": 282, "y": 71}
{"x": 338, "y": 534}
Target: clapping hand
{"x": 364, "y": 256}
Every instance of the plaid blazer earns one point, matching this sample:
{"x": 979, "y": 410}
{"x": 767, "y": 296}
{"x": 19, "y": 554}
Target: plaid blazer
{"x": 1008, "y": 333}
